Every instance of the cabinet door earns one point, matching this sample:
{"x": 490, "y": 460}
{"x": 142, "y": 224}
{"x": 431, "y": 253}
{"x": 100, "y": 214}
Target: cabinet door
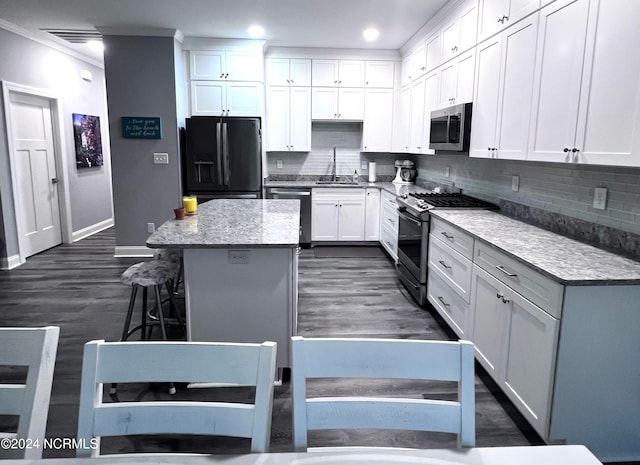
{"x": 448, "y": 83}
{"x": 372, "y": 215}
{"x": 206, "y": 65}
{"x": 324, "y": 220}
{"x": 401, "y": 123}
{"x": 609, "y": 116}
{"x": 416, "y": 117}
{"x": 490, "y": 318}
{"x": 557, "y": 80}
{"x": 351, "y": 219}
{"x": 208, "y": 98}
{"x": 351, "y": 73}
{"x": 377, "y": 123}
{"x": 324, "y": 72}
{"x": 518, "y": 9}
{"x": 278, "y": 118}
{"x": 485, "y": 105}
{"x": 464, "y": 77}
{"x": 433, "y": 52}
{"x": 450, "y": 306}
{"x": 516, "y": 88}
{"x": 324, "y": 103}
{"x": 278, "y": 71}
{"x": 300, "y": 121}
{"x": 351, "y": 104}
{"x": 300, "y": 72}
{"x": 379, "y": 74}
{"x": 243, "y": 66}
{"x": 491, "y": 17}
{"x": 431, "y": 93}
{"x": 468, "y": 20}
{"x": 450, "y": 34}
{"x": 527, "y": 375}
{"x": 417, "y": 63}
{"x": 244, "y": 99}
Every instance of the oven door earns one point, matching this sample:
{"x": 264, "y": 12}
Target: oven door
{"x": 412, "y": 245}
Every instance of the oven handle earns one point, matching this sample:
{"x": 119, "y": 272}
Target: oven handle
{"x": 416, "y": 287}
{"x": 410, "y": 218}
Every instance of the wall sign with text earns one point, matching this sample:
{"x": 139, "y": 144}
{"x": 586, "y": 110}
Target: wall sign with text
{"x": 141, "y": 127}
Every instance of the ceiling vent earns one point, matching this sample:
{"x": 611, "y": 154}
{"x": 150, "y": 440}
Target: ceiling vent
{"x": 75, "y": 36}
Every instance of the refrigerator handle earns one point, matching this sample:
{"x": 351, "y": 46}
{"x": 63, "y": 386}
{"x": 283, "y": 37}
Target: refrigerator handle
{"x": 225, "y": 153}
{"x": 219, "y": 151}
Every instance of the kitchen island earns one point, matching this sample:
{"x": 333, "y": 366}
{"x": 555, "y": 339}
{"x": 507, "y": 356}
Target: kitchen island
{"x": 240, "y": 270}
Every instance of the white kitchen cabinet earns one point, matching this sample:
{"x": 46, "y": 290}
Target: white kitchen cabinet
{"x": 456, "y": 80}
{"x": 379, "y": 74}
{"x": 218, "y": 98}
{"x": 455, "y": 310}
{"x": 431, "y": 97}
{"x": 416, "y": 117}
{"x": 378, "y": 120}
{"x": 288, "y": 72}
{"x": 414, "y": 65}
{"x": 460, "y": 32}
{"x": 400, "y": 136}
{"x": 372, "y": 215}
{"x": 496, "y": 15}
{"x": 338, "y": 214}
{"x": 337, "y": 73}
{"x": 433, "y": 52}
{"x": 389, "y": 223}
{"x": 289, "y": 119}
{"x": 226, "y": 65}
{"x": 331, "y": 103}
{"x": 502, "y": 95}
{"x": 451, "y": 266}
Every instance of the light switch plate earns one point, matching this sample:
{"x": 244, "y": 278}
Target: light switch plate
{"x": 279, "y": 164}
{"x": 600, "y": 198}
{"x": 515, "y": 183}
{"x": 447, "y": 172}
{"x": 160, "y": 158}
{"x": 364, "y": 166}
{"x": 239, "y": 257}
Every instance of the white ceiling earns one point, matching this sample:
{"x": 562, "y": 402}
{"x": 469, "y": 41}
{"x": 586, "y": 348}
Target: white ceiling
{"x": 288, "y": 23}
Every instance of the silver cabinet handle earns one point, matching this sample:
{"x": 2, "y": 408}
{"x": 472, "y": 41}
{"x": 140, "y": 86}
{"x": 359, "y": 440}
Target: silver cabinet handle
{"x": 501, "y": 268}
{"x": 443, "y": 302}
{"x": 442, "y": 262}
{"x": 500, "y": 295}
{"x": 448, "y": 236}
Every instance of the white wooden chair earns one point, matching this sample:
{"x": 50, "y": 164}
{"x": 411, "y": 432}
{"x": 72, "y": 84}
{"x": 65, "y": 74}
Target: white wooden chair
{"x": 166, "y": 361}
{"x": 34, "y": 348}
{"x": 383, "y": 358}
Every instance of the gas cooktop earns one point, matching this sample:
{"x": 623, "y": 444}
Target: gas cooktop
{"x": 420, "y": 204}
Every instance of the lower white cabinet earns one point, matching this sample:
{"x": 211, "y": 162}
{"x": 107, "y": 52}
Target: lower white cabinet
{"x": 389, "y": 223}
{"x": 338, "y": 214}
{"x": 372, "y": 215}
{"x": 218, "y": 98}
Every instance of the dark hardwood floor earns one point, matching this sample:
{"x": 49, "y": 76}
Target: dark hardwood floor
{"x": 77, "y": 287}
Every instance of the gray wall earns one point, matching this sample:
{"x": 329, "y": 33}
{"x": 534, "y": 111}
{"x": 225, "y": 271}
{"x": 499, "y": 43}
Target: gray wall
{"x": 29, "y": 63}
{"x": 140, "y": 74}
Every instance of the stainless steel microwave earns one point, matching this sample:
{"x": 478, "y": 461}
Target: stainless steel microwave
{"x": 451, "y": 128}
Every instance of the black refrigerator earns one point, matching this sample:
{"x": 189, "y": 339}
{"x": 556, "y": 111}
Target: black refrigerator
{"x": 222, "y": 157}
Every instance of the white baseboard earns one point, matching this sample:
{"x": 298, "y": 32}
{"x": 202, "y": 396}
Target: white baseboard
{"x": 133, "y": 251}
{"x": 89, "y": 230}
{"x": 10, "y": 263}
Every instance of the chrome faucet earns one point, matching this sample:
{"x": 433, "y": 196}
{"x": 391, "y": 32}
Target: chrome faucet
{"x": 334, "y": 178}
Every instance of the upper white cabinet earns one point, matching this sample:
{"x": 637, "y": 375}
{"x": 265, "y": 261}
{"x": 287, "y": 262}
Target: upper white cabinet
{"x": 337, "y": 103}
{"x": 378, "y": 120}
{"x": 289, "y": 119}
{"x": 495, "y": 15}
{"x": 459, "y": 34}
{"x": 288, "y": 71}
{"x": 416, "y": 117}
{"x": 226, "y": 65}
{"x": 502, "y": 96}
{"x": 414, "y": 65}
{"x": 217, "y": 98}
{"x": 433, "y": 52}
{"x": 456, "y": 80}
{"x": 379, "y": 74}
{"x": 341, "y": 73}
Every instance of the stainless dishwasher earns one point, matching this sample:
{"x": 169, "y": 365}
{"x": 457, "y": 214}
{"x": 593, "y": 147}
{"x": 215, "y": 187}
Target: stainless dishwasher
{"x": 304, "y": 195}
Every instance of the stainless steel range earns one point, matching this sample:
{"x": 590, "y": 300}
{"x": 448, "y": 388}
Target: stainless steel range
{"x": 413, "y": 234}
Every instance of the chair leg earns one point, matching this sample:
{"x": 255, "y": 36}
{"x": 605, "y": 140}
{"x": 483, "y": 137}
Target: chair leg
{"x": 143, "y": 318}
{"x": 172, "y": 388}
{"x": 127, "y": 322}
{"x": 174, "y": 306}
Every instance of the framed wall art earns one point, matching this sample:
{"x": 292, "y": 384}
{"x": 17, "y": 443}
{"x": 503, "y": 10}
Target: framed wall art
{"x": 86, "y": 134}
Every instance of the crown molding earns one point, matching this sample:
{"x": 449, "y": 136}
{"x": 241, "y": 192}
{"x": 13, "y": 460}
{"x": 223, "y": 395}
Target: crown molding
{"x": 52, "y": 42}
{"x": 332, "y": 53}
{"x": 140, "y": 31}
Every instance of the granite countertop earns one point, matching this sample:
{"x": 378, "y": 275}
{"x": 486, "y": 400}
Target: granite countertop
{"x": 395, "y": 189}
{"x": 222, "y": 223}
{"x": 562, "y": 259}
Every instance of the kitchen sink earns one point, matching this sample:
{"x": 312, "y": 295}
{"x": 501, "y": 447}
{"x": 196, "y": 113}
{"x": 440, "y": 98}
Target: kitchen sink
{"x": 339, "y": 183}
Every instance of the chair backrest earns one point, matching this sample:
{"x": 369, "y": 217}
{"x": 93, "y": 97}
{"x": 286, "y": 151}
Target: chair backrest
{"x": 181, "y": 362}
{"x": 34, "y": 348}
{"x": 383, "y": 358}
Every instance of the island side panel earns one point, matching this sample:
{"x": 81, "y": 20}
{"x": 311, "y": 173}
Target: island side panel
{"x": 241, "y": 302}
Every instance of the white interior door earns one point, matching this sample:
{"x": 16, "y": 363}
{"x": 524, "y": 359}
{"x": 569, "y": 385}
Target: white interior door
{"x": 37, "y": 207}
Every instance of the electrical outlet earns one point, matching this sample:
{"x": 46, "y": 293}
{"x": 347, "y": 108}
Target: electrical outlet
{"x": 364, "y": 166}
{"x": 239, "y": 257}
{"x": 515, "y": 183}
{"x": 151, "y": 227}
{"x": 279, "y": 164}
{"x": 160, "y": 158}
{"x": 447, "y": 171}
{"x": 600, "y": 198}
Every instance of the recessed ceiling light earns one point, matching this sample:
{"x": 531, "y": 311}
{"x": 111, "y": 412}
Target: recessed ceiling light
{"x": 256, "y": 31}
{"x": 95, "y": 45}
{"x": 370, "y": 34}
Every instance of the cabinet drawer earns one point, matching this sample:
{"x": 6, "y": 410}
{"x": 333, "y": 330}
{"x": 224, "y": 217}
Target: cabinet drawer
{"x": 454, "y": 268}
{"x": 450, "y": 306}
{"x": 542, "y": 291}
{"x": 456, "y": 239}
{"x": 390, "y": 217}
{"x": 389, "y": 240}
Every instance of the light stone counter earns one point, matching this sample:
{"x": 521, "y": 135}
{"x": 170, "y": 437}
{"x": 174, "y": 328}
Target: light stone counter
{"x": 224, "y": 223}
{"x": 390, "y": 187}
{"x": 562, "y": 259}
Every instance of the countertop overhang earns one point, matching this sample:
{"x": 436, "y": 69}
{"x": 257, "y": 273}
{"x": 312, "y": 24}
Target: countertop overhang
{"x": 233, "y": 223}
